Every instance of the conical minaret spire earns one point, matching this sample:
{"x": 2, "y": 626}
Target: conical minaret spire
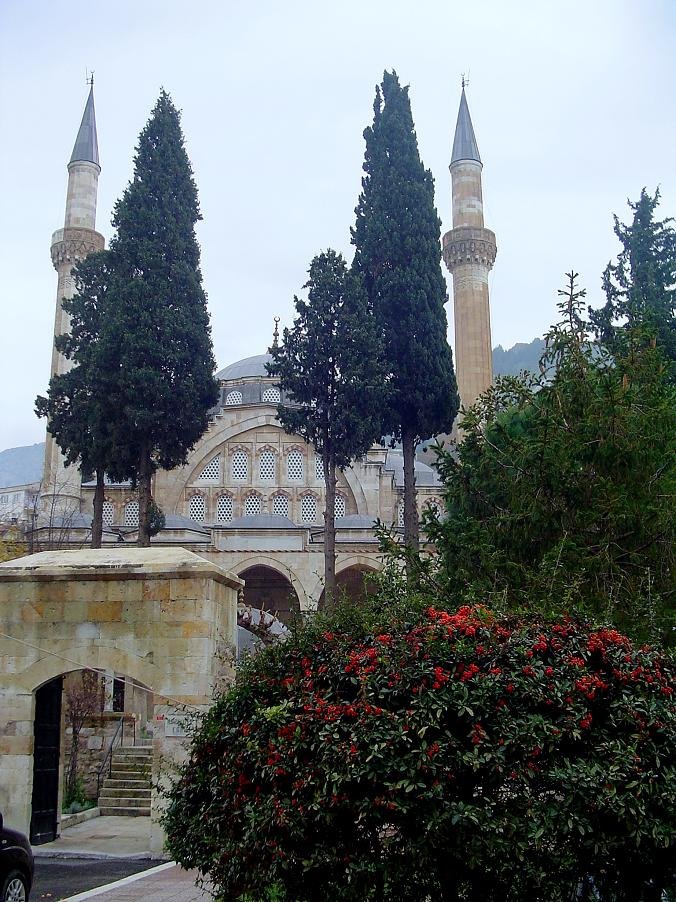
{"x": 72, "y": 243}
{"x": 464, "y": 142}
{"x": 86, "y": 147}
{"x": 469, "y": 253}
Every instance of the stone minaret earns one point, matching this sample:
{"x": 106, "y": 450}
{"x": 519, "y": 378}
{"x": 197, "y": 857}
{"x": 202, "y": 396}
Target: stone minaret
{"x": 72, "y": 243}
{"x": 469, "y": 253}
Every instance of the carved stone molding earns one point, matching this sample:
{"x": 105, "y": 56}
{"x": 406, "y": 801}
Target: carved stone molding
{"x": 72, "y": 245}
{"x": 469, "y": 245}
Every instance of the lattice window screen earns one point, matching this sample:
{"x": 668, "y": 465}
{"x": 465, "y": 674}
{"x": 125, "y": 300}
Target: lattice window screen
{"x": 319, "y": 468}
{"x": 224, "y": 508}
{"x": 212, "y": 469}
{"x": 240, "y": 465}
{"x": 108, "y": 514}
{"x": 252, "y": 505}
{"x": 196, "y": 508}
{"x": 434, "y": 504}
{"x": 400, "y": 514}
{"x": 233, "y": 397}
{"x": 266, "y": 467}
{"x": 294, "y": 465}
{"x": 131, "y": 513}
{"x": 271, "y": 395}
{"x": 308, "y": 509}
{"x": 340, "y": 506}
{"x": 280, "y": 505}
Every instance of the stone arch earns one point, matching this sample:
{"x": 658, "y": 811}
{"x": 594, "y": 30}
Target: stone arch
{"x": 83, "y": 657}
{"x": 261, "y": 560}
{"x": 350, "y": 577}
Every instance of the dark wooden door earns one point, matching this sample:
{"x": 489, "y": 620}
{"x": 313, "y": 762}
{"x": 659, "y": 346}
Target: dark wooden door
{"x": 47, "y": 733}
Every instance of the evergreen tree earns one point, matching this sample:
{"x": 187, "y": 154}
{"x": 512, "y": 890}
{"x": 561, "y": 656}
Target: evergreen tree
{"x": 640, "y": 287}
{"x": 78, "y": 406}
{"x": 329, "y": 365}
{"x": 158, "y": 319}
{"x": 398, "y": 254}
{"x": 561, "y": 496}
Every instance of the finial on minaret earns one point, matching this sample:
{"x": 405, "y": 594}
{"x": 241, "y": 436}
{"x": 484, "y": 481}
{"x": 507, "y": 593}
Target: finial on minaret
{"x": 275, "y": 334}
{"x": 464, "y": 80}
{"x": 90, "y": 78}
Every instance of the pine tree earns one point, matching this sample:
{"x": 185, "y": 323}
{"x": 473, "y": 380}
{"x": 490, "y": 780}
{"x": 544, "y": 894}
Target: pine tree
{"x": 640, "y": 287}
{"x": 398, "y": 254}
{"x": 330, "y": 365}
{"x": 78, "y": 406}
{"x": 159, "y": 320}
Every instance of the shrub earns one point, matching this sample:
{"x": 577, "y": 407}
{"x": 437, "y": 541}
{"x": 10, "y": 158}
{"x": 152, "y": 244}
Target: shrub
{"x": 457, "y": 756}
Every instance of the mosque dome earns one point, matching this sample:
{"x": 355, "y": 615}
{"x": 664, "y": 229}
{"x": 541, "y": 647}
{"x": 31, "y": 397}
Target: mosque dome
{"x": 248, "y": 368}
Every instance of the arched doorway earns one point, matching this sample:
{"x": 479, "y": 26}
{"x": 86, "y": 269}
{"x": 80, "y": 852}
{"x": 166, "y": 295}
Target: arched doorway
{"x": 270, "y": 590}
{"x": 352, "y": 583}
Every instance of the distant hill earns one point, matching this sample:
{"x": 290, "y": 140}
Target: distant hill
{"x": 19, "y": 466}
{"x": 521, "y": 356}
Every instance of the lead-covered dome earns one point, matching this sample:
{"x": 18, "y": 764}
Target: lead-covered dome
{"x": 248, "y": 368}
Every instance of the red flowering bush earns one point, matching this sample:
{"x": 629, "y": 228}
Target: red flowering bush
{"x": 457, "y": 756}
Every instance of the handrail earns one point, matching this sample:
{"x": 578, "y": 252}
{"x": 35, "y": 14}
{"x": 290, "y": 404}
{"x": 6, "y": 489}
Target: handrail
{"x": 108, "y": 759}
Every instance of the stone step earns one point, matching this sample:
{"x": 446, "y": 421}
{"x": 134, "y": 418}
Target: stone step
{"x": 108, "y": 792}
{"x": 115, "y": 801}
{"x": 116, "y": 811}
{"x": 114, "y": 783}
{"x": 130, "y": 770}
{"x": 133, "y": 754}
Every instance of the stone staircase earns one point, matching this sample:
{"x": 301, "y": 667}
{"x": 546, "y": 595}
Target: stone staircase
{"x": 126, "y": 792}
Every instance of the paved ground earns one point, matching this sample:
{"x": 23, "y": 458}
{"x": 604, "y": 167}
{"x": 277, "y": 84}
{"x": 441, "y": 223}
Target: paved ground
{"x": 109, "y": 858}
{"x": 164, "y": 883}
{"x": 59, "y": 878}
{"x": 102, "y": 837}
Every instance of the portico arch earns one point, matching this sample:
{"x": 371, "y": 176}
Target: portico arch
{"x": 351, "y": 580}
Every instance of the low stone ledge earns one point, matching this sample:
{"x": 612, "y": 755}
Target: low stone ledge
{"x": 71, "y": 820}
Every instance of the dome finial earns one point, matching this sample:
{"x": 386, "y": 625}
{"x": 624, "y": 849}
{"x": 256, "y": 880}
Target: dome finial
{"x": 275, "y": 334}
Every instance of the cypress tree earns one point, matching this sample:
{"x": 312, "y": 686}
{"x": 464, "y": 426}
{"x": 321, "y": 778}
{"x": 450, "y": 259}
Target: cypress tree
{"x": 330, "y": 366}
{"x": 640, "y": 287}
{"x": 398, "y": 254}
{"x": 78, "y": 405}
{"x": 159, "y": 322}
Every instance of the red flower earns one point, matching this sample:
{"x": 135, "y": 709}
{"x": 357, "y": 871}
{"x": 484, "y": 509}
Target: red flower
{"x": 585, "y": 723}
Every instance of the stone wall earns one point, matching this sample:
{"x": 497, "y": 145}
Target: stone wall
{"x": 163, "y": 617}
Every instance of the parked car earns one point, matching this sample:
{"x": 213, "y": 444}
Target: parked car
{"x": 16, "y": 865}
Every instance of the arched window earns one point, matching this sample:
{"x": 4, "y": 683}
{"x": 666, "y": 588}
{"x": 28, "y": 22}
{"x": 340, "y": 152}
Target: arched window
{"x": 224, "y": 508}
{"x": 233, "y": 397}
{"x": 196, "y": 508}
{"x": 252, "y": 505}
{"x": 240, "y": 465}
{"x": 400, "y": 514}
{"x": 308, "y": 509}
{"x": 280, "y": 505}
{"x": 271, "y": 395}
{"x": 319, "y": 468}
{"x": 266, "y": 464}
{"x": 108, "y": 514}
{"x": 340, "y": 505}
{"x": 294, "y": 465}
{"x": 131, "y": 513}
{"x": 212, "y": 469}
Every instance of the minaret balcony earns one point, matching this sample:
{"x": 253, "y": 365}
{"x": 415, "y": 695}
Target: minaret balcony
{"x": 466, "y": 244}
{"x": 72, "y": 245}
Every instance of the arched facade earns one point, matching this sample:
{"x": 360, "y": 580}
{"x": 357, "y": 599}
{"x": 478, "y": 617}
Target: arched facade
{"x": 250, "y": 489}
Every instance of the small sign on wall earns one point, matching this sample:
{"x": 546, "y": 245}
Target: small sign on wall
{"x": 176, "y": 724}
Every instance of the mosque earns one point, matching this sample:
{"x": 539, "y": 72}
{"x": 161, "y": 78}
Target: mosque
{"x": 251, "y": 497}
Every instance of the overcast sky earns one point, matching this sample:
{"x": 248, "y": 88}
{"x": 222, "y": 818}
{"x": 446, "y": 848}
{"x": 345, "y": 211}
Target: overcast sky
{"x": 572, "y": 104}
